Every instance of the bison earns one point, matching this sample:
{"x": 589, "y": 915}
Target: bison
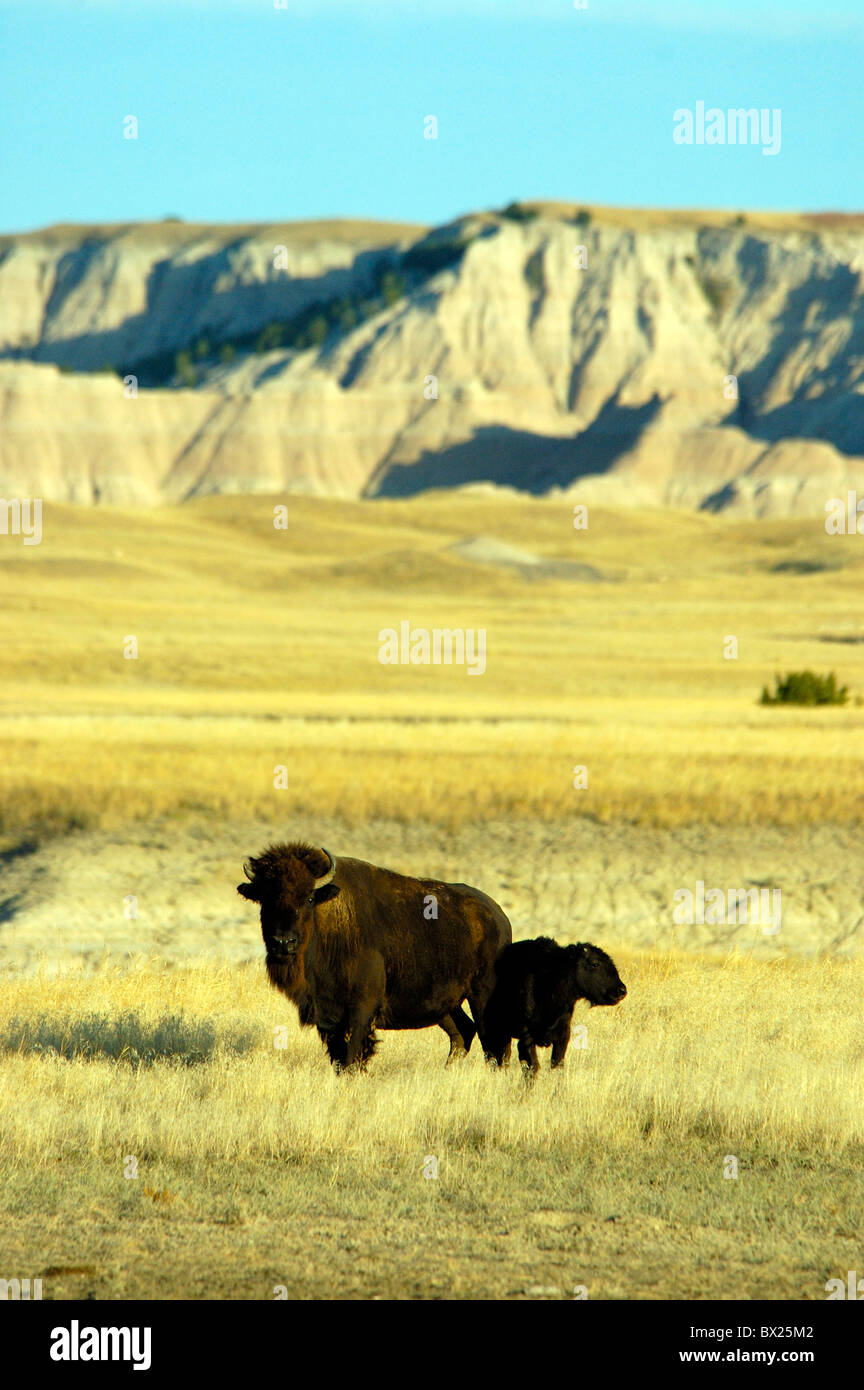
{"x": 357, "y": 948}
{"x": 537, "y": 984}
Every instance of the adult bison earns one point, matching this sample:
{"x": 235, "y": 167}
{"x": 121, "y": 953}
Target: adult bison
{"x": 357, "y": 947}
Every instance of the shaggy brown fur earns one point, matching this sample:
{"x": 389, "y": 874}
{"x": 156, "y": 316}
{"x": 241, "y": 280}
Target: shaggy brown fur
{"x": 290, "y": 869}
{"x": 362, "y": 951}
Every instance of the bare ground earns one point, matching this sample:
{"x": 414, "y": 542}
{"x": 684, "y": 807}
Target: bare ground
{"x": 67, "y": 901}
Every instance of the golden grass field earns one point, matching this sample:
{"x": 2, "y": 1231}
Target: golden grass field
{"x": 258, "y": 1167}
{"x": 257, "y": 648}
{"x": 243, "y": 630}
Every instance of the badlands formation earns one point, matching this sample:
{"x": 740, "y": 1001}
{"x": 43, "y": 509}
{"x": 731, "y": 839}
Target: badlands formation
{"x": 691, "y": 360}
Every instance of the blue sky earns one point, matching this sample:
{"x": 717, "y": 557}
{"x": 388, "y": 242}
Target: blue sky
{"x": 247, "y": 112}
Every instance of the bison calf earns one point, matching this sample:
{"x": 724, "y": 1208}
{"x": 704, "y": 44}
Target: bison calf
{"x": 537, "y": 985}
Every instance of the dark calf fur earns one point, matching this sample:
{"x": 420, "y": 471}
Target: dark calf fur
{"x": 536, "y": 988}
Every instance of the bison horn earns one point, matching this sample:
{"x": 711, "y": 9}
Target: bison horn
{"x": 328, "y": 876}
{"x": 247, "y": 869}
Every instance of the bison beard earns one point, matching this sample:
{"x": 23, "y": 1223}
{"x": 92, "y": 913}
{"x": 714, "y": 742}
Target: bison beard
{"x": 349, "y": 944}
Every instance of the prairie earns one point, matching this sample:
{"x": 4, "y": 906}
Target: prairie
{"x": 257, "y": 649}
{"x": 257, "y": 708}
{"x": 174, "y": 1143}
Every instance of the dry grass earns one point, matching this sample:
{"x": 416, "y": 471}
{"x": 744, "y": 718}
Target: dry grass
{"x": 177, "y": 234}
{"x": 386, "y": 233}
{"x": 258, "y": 648}
{"x": 71, "y": 773}
{"x": 257, "y": 1167}
{"x": 729, "y": 1070}
{"x": 609, "y": 1174}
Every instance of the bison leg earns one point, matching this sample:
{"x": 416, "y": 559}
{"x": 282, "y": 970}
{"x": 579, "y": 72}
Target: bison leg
{"x": 367, "y": 1049}
{"x": 336, "y": 1042}
{"x": 498, "y": 1048}
{"x": 478, "y": 1000}
{"x": 460, "y": 1030}
{"x": 361, "y": 1037}
{"x": 560, "y": 1043}
{"x": 492, "y": 1030}
{"x": 465, "y": 1026}
{"x": 370, "y": 985}
{"x": 495, "y": 1037}
{"x": 457, "y": 1046}
{"x": 528, "y": 1057}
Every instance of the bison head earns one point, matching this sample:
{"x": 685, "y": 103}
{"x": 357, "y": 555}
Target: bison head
{"x": 288, "y": 882}
{"x": 597, "y": 979}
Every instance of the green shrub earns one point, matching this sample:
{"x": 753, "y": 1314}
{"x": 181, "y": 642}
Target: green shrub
{"x": 517, "y": 213}
{"x": 68, "y": 368}
{"x": 392, "y": 287}
{"x": 186, "y": 374}
{"x": 806, "y": 688}
{"x": 269, "y": 338}
{"x": 345, "y": 315}
{"x": 429, "y": 259}
{"x": 306, "y": 329}
{"x": 582, "y": 218}
{"x": 317, "y": 331}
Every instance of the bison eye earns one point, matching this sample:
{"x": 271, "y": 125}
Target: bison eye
{"x": 310, "y": 900}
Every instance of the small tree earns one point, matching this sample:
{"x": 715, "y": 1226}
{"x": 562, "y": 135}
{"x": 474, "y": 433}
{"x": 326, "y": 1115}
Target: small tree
{"x": 185, "y": 372}
{"x": 392, "y": 287}
{"x": 346, "y": 315}
{"x": 269, "y": 338}
{"x": 515, "y": 212}
{"x": 316, "y": 332}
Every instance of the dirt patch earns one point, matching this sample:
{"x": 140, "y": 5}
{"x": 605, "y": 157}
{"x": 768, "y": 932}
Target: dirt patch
{"x": 170, "y": 891}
